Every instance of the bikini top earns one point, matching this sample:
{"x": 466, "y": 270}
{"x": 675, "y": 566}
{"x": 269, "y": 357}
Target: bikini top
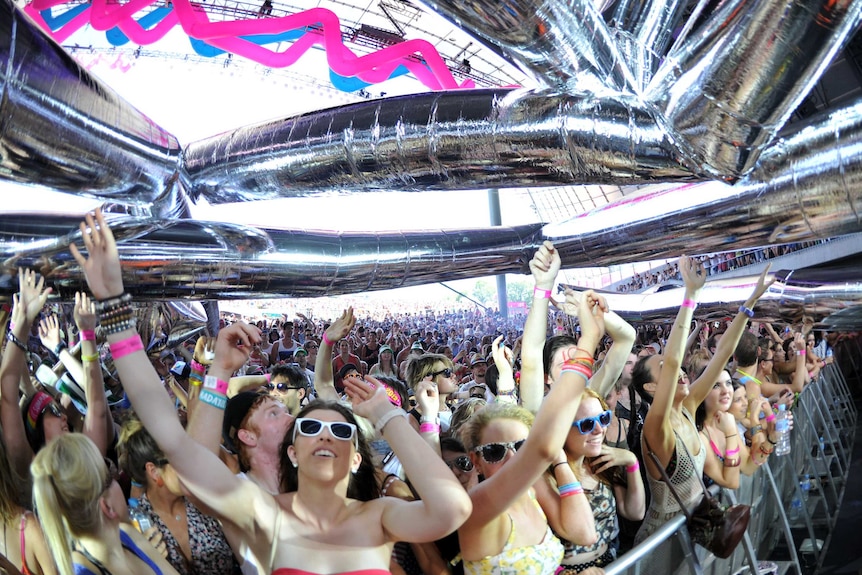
{"x": 127, "y": 543}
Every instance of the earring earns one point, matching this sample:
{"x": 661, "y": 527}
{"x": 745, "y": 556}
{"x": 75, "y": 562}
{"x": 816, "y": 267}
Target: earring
{"x": 160, "y": 482}
{"x": 295, "y": 464}
{"x": 354, "y": 471}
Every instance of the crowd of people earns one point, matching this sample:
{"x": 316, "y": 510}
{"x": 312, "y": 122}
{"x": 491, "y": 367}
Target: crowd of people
{"x": 415, "y": 443}
{"x": 713, "y": 264}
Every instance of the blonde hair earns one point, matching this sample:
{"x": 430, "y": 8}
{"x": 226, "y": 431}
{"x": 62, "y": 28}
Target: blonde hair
{"x": 69, "y": 477}
{"x": 419, "y": 367}
{"x": 11, "y": 485}
{"x": 471, "y": 431}
{"x": 463, "y": 413}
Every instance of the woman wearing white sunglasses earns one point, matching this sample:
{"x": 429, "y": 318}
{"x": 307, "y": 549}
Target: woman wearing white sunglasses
{"x": 508, "y": 531}
{"x": 319, "y": 528}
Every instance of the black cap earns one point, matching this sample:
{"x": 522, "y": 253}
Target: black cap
{"x": 348, "y": 367}
{"x": 237, "y": 409}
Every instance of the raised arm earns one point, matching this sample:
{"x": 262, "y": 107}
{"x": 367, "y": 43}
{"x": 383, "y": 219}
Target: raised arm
{"x": 506, "y": 392}
{"x": 26, "y": 305}
{"x": 658, "y": 429}
{"x": 444, "y": 505}
{"x": 98, "y": 423}
{"x": 701, "y": 387}
{"x": 544, "y": 266}
{"x": 623, "y": 336}
{"x": 324, "y": 383}
{"x": 546, "y": 438}
{"x": 200, "y": 470}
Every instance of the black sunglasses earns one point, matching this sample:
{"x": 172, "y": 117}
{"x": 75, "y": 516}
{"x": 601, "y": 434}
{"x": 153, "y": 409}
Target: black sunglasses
{"x": 461, "y": 463}
{"x": 444, "y": 372}
{"x": 494, "y": 452}
{"x": 587, "y": 424}
{"x": 55, "y": 409}
{"x": 281, "y": 386}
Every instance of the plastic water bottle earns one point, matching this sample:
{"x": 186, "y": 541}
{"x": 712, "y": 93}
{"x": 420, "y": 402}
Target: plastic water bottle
{"x": 805, "y": 487}
{"x": 822, "y": 447}
{"x": 140, "y": 519}
{"x": 795, "y": 508}
{"x": 782, "y": 428}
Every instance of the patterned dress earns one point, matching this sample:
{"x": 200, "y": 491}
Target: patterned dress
{"x": 604, "y": 506}
{"x": 211, "y": 554}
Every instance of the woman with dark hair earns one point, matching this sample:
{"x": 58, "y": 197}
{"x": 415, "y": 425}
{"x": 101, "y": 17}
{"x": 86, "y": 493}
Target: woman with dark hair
{"x": 318, "y": 528}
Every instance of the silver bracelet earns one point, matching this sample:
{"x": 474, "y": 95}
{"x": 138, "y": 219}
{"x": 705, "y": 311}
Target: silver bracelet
{"x": 387, "y": 417}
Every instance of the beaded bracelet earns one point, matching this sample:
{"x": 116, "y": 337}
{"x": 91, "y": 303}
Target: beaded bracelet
{"x": 111, "y": 302}
{"x": 18, "y": 343}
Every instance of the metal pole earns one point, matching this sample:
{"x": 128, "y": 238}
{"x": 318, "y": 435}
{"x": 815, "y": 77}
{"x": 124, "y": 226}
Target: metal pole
{"x": 497, "y": 220}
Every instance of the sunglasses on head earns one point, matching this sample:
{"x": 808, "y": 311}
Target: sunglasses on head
{"x": 461, "y": 463}
{"x": 494, "y": 452}
{"x": 444, "y": 372}
{"x": 587, "y": 424}
{"x": 54, "y": 409}
{"x": 337, "y": 429}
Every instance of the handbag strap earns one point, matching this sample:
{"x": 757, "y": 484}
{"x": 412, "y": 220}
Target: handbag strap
{"x": 666, "y": 479}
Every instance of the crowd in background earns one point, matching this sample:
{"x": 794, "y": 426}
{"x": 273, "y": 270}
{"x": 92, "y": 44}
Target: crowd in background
{"x": 416, "y": 442}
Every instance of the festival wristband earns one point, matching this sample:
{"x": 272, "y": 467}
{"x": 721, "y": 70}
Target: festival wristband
{"x": 215, "y": 384}
{"x": 387, "y": 417}
{"x": 326, "y": 340}
{"x": 731, "y": 452}
{"x": 125, "y": 347}
{"x": 689, "y": 303}
{"x": 88, "y": 335}
{"x": 541, "y": 293}
{"x": 210, "y": 398}
{"x": 800, "y": 352}
{"x": 198, "y": 367}
{"x": 633, "y": 467}
{"x": 429, "y": 428}
{"x": 746, "y": 310}
{"x": 770, "y": 418}
{"x": 90, "y": 358}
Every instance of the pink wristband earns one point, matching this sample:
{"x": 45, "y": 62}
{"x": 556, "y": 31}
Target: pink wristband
{"x": 542, "y": 293}
{"x": 326, "y": 340}
{"x": 633, "y": 467}
{"x": 731, "y": 452}
{"x": 429, "y": 428}
{"x": 212, "y": 383}
{"x": 198, "y": 367}
{"x": 689, "y": 303}
{"x": 576, "y": 491}
{"x": 800, "y": 352}
{"x": 770, "y": 418}
{"x": 125, "y": 347}
{"x": 88, "y": 335}
{"x": 11, "y": 326}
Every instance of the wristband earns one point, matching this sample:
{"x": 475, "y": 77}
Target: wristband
{"x": 88, "y": 335}
{"x": 18, "y": 343}
{"x": 770, "y": 440}
{"x": 136, "y": 484}
{"x": 198, "y": 367}
{"x": 689, "y": 303}
{"x": 215, "y": 399}
{"x": 268, "y": 377}
{"x": 732, "y": 462}
{"x": 746, "y": 310}
{"x": 11, "y": 325}
{"x": 541, "y": 293}
{"x": 633, "y": 467}
{"x": 215, "y": 384}
{"x": 730, "y": 452}
{"x": 770, "y": 418}
{"x": 326, "y": 340}
{"x": 387, "y": 417}
{"x": 195, "y": 379}
{"x": 570, "y": 489}
{"x": 800, "y": 352}
{"x": 429, "y": 428}
{"x": 126, "y": 346}
{"x": 554, "y": 466}
{"x": 90, "y": 358}
{"x": 59, "y": 349}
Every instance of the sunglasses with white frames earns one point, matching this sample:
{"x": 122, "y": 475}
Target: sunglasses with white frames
{"x": 338, "y": 429}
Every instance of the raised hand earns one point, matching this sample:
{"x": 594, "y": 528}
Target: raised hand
{"x": 591, "y": 314}
{"x": 613, "y": 457}
{"x": 49, "y": 332}
{"x": 102, "y": 267}
{"x": 85, "y": 312}
{"x": 726, "y": 422}
{"x": 545, "y": 265}
{"x": 368, "y": 397}
{"x": 342, "y": 326}
{"x": 32, "y": 294}
{"x": 763, "y": 283}
{"x": 233, "y": 346}
{"x": 693, "y": 274}
{"x": 204, "y": 350}
{"x": 427, "y": 398}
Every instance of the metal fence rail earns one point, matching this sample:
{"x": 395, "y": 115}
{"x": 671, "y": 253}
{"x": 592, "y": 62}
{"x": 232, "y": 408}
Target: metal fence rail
{"x": 822, "y": 440}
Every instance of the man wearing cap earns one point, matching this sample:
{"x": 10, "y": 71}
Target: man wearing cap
{"x": 301, "y": 359}
{"x": 478, "y": 367}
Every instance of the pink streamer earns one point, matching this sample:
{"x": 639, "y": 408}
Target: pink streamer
{"x": 418, "y": 56}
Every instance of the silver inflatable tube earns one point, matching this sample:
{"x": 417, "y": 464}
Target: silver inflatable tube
{"x": 643, "y": 32}
{"x": 808, "y": 185}
{"x": 563, "y": 43}
{"x": 745, "y": 72}
{"x": 64, "y": 130}
{"x": 437, "y": 141}
{"x": 209, "y": 260}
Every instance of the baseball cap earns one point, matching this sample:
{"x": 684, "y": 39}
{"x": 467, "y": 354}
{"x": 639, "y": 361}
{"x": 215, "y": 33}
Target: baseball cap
{"x": 181, "y": 369}
{"x": 301, "y": 350}
{"x": 477, "y": 359}
{"x": 417, "y": 345}
{"x": 238, "y": 408}
{"x": 348, "y": 367}
{"x": 385, "y": 348}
